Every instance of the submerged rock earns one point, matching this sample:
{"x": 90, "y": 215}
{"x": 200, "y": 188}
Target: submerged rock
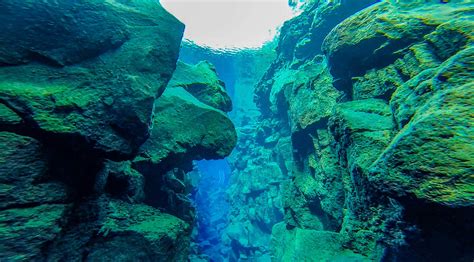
{"x": 430, "y": 158}
{"x": 380, "y": 131}
{"x": 79, "y": 83}
{"x": 185, "y": 129}
{"x": 140, "y": 232}
{"x": 202, "y": 82}
{"x": 106, "y": 228}
{"x": 379, "y": 35}
{"x": 93, "y": 75}
{"x": 25, "y": 174}
{"x": 289, "y": 244}
{"x": 26, "y": 232}
{"x": 32, "y": 208}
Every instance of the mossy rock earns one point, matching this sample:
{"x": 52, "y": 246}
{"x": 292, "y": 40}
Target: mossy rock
{"x": 455, "y": 71}
{"x": 382, "y": 33}
{"x": 8, "y": 117}
{"x": 202, "y": 82}
{"x": 309, "y": 245}
{"x": 86, "y": 78}
{"x": 184, "y": 129}
{"x": 312, "y": 97}
{"x": 139, "y": 232}
{"x": 362, "y": 129}
{"x": 431, "y": 157}
{"x": 26, "y": 232}
{"x": 24, "y": 174}
{"x": 102, "y": 228}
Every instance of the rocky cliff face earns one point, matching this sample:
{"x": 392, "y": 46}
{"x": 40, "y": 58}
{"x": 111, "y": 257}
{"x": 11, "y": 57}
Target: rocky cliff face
{"x": 369, "y": 104}
{"x": 94, "y": 149}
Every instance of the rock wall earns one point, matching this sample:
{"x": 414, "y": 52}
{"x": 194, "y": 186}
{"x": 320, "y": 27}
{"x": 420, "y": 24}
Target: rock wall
{"x": 370, "y": 105}
{"x": 94, "y": 146}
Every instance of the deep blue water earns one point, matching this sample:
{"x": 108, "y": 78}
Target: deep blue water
{"x": 210, "y": 195}
{"x": 212, "y": 207}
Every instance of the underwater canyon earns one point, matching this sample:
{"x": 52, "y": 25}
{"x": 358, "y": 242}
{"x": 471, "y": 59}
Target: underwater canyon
{"x": 349, "y": 137}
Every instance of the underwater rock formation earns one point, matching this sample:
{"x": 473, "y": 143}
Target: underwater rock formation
{"x": 94, "y": 149}
{"x": 357, "y": 146}
{"x": 87, "y": 70}
{"x": 374, "y": 107}
{"x": 185, "y": 129}
{"x": 202, "y": 82}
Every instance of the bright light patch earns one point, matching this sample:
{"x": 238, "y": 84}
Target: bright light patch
{"x": 230, "y": 24}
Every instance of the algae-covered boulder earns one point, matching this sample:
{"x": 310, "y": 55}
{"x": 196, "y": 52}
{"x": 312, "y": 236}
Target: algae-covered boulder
{"x": 202, "y": 82}
{"x": 140, "y": 232}
{"x": 362, "y": 129}
{"x": 24, "y": 176}
{"x": 86, "y": 74}
{"x": 184, "y": 129}
{"x": 310, "y": 245}
{"x": 26, "y": 232}
{"x": 431, "y": 157}
{"x": 306, "y": 95}
{"x": 8, "y": 118}
{"x": 379, "y": 35}
{"x": 412, "y": 95}
{"x": 103, "y": 228}
{"x": 308, "y": 92}
{"x": 32, "y": 206}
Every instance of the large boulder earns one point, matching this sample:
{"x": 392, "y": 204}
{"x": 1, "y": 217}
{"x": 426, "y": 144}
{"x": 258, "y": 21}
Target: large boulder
{"x": 103, "y": 228}
{"x": 310, "y": 245}
{"x": 140, "y": 232}
{"x": 362, "y": 129}
{"x": 431, "y": 157}
{"x": 202, "y": 82}
{"x": 24, "y": 174}
{"x": 379, "y": 35}
{"x": 32, "y": 206}
{"x": 415, "y": 93}
{"x": 306, "y": 95}
{"x": 26, "y": 232}
{"x": 87, "y": 78}
{"x": 184, "y": 129}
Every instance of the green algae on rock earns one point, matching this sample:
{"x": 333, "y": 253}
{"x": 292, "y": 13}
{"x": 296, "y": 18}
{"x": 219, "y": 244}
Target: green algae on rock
{"x": 26, "y": 231}
{"x": 185, "y": 129}
{"x": 94, "y": 79}
{"x": 202, "y": 82}
{"x": 358, "y": 146}
{"x": 78, "y": 93}
{"x": 299, "y": 244}
{"x": 381, "y": 34}
{"x": 381, "y": 153}
{"x": 24, "y": 174}
{"x": 431, "y": 157}
{"x": 142, "y": 231}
